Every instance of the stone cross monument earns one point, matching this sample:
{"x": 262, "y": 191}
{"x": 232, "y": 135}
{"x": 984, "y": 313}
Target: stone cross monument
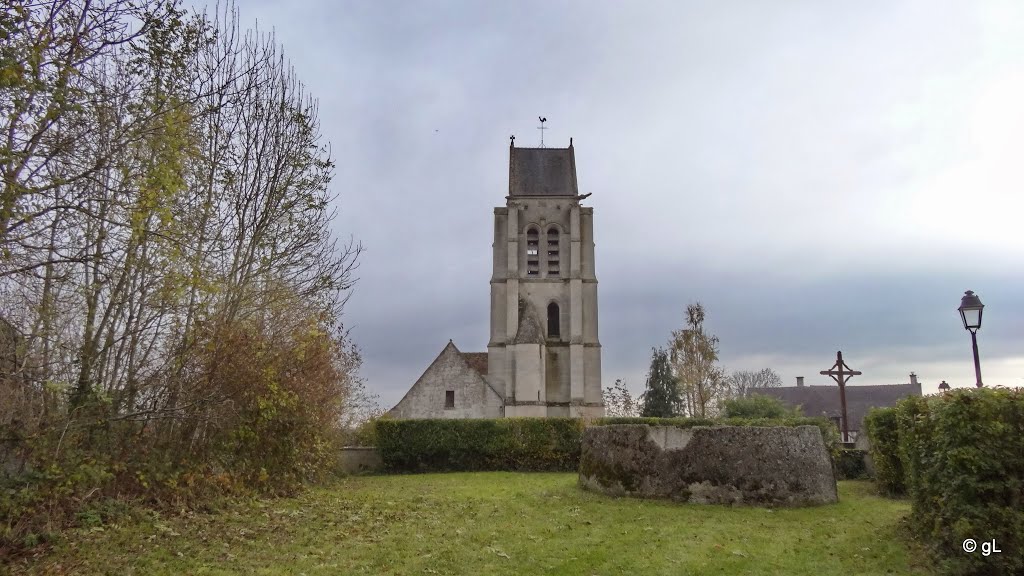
{"x": 842, "y": 373}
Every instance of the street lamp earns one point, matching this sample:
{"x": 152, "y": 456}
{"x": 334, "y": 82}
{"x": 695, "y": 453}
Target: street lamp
{"x": 970, "y": 313}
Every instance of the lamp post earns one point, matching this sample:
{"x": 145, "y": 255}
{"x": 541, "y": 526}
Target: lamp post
{"x": 970, "y": 313}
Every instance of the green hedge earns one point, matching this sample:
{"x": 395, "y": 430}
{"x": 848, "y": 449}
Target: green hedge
{"x": 758, "y": 406}
{"x": 522, "y": 444}
{"x": 517, "y": 444}
{"x": 963, "y": 453}
{"x": 850, "y": 464}
{"x": 880, "y": 424}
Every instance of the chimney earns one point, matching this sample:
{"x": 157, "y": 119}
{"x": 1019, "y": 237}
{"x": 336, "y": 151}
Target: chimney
{"x": 800, "y": 381}
{"x": 913, "y": 379}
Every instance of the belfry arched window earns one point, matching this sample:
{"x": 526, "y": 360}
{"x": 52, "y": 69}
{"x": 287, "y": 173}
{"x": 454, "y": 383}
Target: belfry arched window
{"x": 553, "y": 321}
{"x": 532, "y": 251}
{"x": 553, "y": 263}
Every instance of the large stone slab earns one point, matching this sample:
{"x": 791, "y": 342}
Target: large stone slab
{"x": 772, "y": 466}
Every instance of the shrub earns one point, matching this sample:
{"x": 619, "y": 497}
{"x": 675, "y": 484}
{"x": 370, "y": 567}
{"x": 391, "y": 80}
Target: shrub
{"x": 880, "y": 424}
{"x": 963, "y": 455}
{"x": 259, "y": 407}
{"x": 515, "y": 444}
{"x": 283, "y": 391}
{"x": 365, "y": 434}
{"x": 757, "y": 406}
{"x": 850, "y": 464}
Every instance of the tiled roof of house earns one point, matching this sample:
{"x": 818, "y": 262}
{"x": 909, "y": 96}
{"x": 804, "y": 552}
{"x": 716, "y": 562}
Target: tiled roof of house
{"x": 824, "y": 400}
{"x": 477, "y": 361}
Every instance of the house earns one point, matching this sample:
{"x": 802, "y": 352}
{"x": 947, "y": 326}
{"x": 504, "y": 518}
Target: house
{"x": 453, "y": 386}
{"x": 824, "y": 400}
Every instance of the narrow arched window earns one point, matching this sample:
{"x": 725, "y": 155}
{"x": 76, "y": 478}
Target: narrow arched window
{"x": 553, "y": 324}
{"x": 553, "y": 263}
{"x": 532, "y": 251}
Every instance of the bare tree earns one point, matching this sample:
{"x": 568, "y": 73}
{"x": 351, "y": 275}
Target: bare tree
{"x": 163, "y": 176}
{"x": 742, "y": 382}
{"x": 694, "y": 355}
{"x": 48, "y": 45}
{"x": 619, "y": 401}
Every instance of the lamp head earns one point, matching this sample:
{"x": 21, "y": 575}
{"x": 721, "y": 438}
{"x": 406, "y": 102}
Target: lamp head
{"x": 970, "y": 311}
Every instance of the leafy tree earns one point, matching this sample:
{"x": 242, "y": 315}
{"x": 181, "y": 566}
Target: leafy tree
{"x": 50, "y": 53}
{"x": 757, "y": 406}
{"x": 661, "y": 397}
{"x": 694, "y": 356}
{"x": 742, "y": 382}
{"x": 168, "y": 259}
{"x": 619, "y": 402}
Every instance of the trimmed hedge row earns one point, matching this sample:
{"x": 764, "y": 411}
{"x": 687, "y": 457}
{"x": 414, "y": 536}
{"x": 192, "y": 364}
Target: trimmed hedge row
{"x": 883, "y": 435}
{"x": 963, "y": 456}
{"x": 523, "y": 444}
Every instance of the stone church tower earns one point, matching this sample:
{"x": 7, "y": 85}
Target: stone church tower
{"x": 543, "y": 353}
{"x": 543, "y": 357}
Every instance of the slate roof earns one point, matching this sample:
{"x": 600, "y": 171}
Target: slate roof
{"x": 824, "y": 400}
{"x": 477, "y": 361}
{"x": 542, "y": 172}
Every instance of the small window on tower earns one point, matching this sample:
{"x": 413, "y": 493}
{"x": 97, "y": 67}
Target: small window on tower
{"x": 553, "y": 321}
{"x": 449, "y": 399}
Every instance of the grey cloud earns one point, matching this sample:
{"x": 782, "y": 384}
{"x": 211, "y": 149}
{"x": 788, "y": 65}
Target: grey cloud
{"x": 783, "y": 163}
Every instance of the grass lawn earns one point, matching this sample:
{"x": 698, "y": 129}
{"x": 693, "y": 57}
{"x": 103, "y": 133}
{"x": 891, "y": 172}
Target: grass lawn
{"x": 495, "y": 523}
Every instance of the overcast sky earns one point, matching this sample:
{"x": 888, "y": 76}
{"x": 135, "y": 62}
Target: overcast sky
{"x": 820, "y": 175}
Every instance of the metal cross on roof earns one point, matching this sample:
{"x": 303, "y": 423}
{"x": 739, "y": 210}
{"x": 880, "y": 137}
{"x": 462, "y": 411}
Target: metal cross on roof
{"x": 841, "y": 373}
{"x": 542, "y": 128}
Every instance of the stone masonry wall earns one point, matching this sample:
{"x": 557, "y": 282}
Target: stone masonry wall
{"x": 784, "y": 466}
{"x": 359, "y": 460}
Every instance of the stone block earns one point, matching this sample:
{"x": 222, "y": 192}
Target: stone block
{"x": 769, "y": 466}
{"x": 360, "y": 460}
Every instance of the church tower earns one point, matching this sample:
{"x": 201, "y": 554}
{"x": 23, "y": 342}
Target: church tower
{"x": 543, "y": 352}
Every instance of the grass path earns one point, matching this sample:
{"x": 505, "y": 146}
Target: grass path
{"x": 495, "y": 523}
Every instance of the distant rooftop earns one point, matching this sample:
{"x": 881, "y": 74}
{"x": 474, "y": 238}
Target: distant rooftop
{"x": 824, "y": 400}
{"x": 542, "y": 172}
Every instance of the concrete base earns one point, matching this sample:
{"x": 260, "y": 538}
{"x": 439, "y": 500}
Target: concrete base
{"x": 360, "y": 460}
